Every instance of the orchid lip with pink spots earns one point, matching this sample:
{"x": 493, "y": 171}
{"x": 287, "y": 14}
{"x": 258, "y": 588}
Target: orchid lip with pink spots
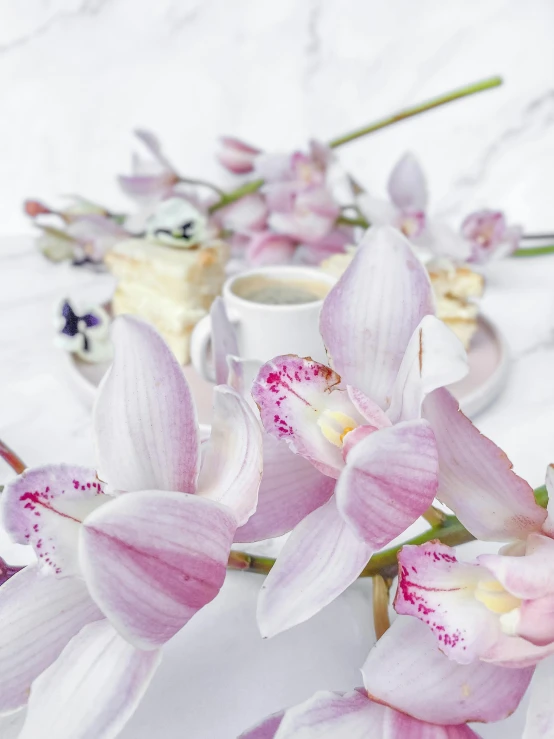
{"x": 140, "y": 546}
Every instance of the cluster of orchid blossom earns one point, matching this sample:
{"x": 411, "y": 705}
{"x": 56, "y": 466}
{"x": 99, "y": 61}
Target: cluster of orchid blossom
{"x": 349, "y": 456}
{"x": 287, "y": 207}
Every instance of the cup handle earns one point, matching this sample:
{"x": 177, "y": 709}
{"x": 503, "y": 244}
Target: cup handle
{"x": 199, "y": 343}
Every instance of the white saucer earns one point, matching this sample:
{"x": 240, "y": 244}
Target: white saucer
{"x": 488, "y": 369}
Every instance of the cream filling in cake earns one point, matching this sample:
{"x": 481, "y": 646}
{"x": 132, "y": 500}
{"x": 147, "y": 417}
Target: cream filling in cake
{"x": 169, "y": 287}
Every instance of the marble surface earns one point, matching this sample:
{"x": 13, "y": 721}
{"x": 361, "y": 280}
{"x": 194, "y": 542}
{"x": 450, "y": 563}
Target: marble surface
{"x": 76, "y": 76}
{"x": 218, "y": 675}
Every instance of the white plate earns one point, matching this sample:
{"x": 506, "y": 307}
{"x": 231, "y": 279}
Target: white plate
{"x": 488, "y": 369}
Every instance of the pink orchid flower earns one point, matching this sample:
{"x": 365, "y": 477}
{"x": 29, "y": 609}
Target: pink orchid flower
{"x": 126, "y": 555}
{"x": 500, "y": 608}
{"x": 289, "y": 173}
{"x": 291, "y": 487}
{"x": 489, "y": 236}
{"x": 237, "y": 156}
{"x": 407, "y": 211}
{"x": 410, "y": 690}
{"x": 359, "y": 423}
{"x": 151, "y": 179}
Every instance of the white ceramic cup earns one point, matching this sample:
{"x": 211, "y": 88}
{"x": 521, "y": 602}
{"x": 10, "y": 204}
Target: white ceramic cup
{"x": 267, "y": 330}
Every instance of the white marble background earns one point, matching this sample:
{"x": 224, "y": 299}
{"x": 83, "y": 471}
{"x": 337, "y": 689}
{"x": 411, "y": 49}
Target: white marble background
{"x": 76, "y": 76}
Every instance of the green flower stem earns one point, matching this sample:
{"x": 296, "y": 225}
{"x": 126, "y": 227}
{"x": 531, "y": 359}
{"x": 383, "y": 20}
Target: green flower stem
{"x": 534, "y": 251}
{"x": 450, "y": 532}
{"x": 417, "y": 109}
{"x": 487, "y": 84}
{"x": 348, "y": 221}
{"x": 234, "y": 195}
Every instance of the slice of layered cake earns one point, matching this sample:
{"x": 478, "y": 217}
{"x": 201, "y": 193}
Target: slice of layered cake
{"x": 457, "y": 289}
{"x": 171, "y": 284}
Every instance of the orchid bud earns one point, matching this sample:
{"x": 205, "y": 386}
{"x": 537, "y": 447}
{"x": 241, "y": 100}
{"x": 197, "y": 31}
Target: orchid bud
{"x": 34, "y": 208}
{"x": 237, "y": 156}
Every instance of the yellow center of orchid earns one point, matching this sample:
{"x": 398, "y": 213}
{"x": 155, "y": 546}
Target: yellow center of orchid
{"x": 335, "y": 425}
{"x": 492, "y": 595}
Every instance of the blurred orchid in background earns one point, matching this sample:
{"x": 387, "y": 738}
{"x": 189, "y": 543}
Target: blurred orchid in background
{"x": 294, "y": 216}
{"x": 131, "y": 552}
{"x": 237, "y": 156}
{"x": 151, "y": 179}
{"x": 87, "y": 230}
{"x": 407, "y": 211}
{"x": 489, "y": 236}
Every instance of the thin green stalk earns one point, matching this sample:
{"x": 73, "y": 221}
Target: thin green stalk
{"x": 450, "y": 532}
{"x": 534, "y": 251}
{"x": 348, "y": 221}
{"x": 487, "y": 84}
{"x": 417, "y": 109}
{"x": 237, "y": 194}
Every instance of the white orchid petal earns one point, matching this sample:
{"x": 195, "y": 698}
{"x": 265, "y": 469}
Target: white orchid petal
{"x": 92, "y": 689}
{"x": 370, "y": 314}
{"x": 389, "y": 481}
{"x": 407, "y": 186}
{"x": 407, "y": 671}
{"x": 145, "y": 420}
{"x": 321, "y": 558}
{"x": 39, "y": 614}
{"x": 501, "y": 505}
{"x": 232, "y": 457}
{"x": 151, "y": 560}
{"x": 435, "y": 357}
{"x": 291, "y": 488}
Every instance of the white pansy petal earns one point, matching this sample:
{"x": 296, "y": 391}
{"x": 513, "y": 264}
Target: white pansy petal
{"x": 92, "y": 689}
{"x": 321, "y": 558}
{"x": 145, "y": 420}
{"x": 407, "y": 186}
{"x": 407, "y": 671}
{"x": 44, "y": 507}
{"x": 435, "y": 357}
{"x": 232, "y": 457}
{"x": 151, "y": 560}
{"x": 501, "y": 505}
{"x": 370, "y": 314}
{"x": 39, "y": 613}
